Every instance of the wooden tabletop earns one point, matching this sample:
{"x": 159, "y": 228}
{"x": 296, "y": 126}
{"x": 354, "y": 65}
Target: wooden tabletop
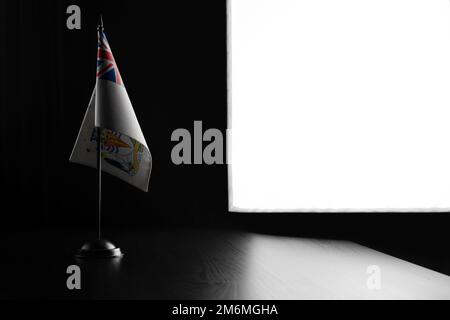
{"x": 215, "y": 264}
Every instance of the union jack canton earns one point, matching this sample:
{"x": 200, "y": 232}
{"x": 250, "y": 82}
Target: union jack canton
{"x": 106, "y": 65}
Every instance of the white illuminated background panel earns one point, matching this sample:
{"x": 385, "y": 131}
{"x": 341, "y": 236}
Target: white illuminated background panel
{"x": 339, "y": 105}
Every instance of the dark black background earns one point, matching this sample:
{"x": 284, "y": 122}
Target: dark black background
{"x": 172, "y": 57}
{"x": 173, "y": 62}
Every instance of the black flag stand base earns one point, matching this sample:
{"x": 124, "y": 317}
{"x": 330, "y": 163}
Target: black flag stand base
{"x": 98, "y": 249}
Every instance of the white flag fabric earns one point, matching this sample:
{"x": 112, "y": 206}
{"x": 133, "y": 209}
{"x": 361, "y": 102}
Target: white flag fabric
{"x": 125, "y": 153}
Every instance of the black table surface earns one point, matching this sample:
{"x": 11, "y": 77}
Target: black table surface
{"x": 186, "y": 263}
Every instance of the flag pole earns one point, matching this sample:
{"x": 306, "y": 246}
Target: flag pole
{"x": 99, "y": 248}
{"x": 99, "y": 182}
{"x": 99, "y": 160}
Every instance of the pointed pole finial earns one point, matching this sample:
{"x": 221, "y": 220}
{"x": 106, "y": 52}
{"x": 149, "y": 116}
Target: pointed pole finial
{"x": 100, "y": 23}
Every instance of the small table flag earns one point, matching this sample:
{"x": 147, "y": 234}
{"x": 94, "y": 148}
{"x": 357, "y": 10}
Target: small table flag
{"x": 124, "y": 151}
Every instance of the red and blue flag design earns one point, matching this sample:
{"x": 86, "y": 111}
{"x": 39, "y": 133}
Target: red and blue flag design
{"x": 106, "y": 65}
